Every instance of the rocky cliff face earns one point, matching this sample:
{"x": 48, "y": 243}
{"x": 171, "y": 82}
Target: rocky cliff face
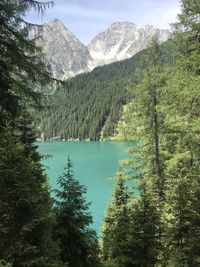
{"x": 67, "y": 56}
{"x": 64, "y": 52}
{"x": 123, "y": 40}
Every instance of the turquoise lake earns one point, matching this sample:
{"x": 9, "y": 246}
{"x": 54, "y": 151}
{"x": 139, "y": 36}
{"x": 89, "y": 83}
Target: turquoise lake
{"x": 94, "y": 165}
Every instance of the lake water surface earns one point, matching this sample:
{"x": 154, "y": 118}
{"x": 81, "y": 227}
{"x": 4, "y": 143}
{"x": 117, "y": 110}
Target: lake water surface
{"x": 94, "y": 163}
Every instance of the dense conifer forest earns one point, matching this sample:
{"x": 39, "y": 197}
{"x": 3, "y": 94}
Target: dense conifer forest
{"x": 89, "y": 106}
{"x": 153, "y": 219}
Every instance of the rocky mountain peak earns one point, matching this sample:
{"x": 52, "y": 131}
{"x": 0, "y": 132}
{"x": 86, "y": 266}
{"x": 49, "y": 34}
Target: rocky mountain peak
{"x": 149, "y": 27}
{"x": 64, "y": 52}
{"x": 56, "y": 22}
{"x": 123, "y": 40}
{"x": 67, "y": 56}
{"x": 57, "y": 29}
{"x": 120, "y": 25}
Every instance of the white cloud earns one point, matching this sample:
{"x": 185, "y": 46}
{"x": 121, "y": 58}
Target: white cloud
{"x": 87, "y": 20}
{"x": 79, "y": 11}
{"x": 162, "y": 16}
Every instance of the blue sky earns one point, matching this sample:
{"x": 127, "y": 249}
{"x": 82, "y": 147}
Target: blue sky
{"x": 86, "y": 18}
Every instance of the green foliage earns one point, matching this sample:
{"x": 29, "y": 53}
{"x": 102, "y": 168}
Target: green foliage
{"x": 78, "y": 243}
{"x": 5, "y": 264}
{"x": 21, "y": 63}
{"x": 163, "y": 119}
{"x": 115, "y": 228}
{"x": 160, "y": 226}
{"x": 182, "y": 144}
{"x": 109, "y": 264}
{"x": 144, "y": 123}
{"x": 25, "y": 207}
{"x": 89, "y": 106}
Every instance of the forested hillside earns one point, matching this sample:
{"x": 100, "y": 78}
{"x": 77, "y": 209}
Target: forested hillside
{"x": 154, "y": 219}
{"x": 89, "y": 105}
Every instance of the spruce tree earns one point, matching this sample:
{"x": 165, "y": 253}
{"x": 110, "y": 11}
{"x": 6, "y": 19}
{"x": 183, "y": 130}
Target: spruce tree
{"x": 25, "y": 208}
{"x": 181, "y": 107}
{"x": 147, "y": 120}
{"x": 116, "y": 226}
{"x": 144, "y": 243}
{"x": 25, "y": 204}
{"x": 147, "y": 168}
{"x": 78, "y": 243}
{"x": 21, "y": 62}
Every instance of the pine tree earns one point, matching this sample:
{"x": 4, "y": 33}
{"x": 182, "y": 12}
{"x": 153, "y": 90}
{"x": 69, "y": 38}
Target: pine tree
{"x": 147, "y": 124}
{"x": 144, "y": 242}
{"x": 116, "y": 226}
{"x": 26, "y": 132}
{"x": 78, "y": 243}
{"x": 21, "y": 63}
{"x": 25, "y": 208}
{"x": 146, "y": 169}
{"x": 4, "y": 264}
{"x": 163, "y": 119}
{"x": 25, "y": 204}
{"x": 181, "y": 107}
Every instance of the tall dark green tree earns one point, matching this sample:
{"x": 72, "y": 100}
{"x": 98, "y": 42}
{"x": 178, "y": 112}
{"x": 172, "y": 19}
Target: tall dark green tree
{"x": 146, "y": 169}
{"x": 21, "y": 62}
{"x": 164, "y": 120}
{"x": 25, "y": 207}
{"x": 78, "y": 243}
{"x": 116, "y": 226}
{"x": 145, "y": 125}
{"x": 147, "y": 120}
{"x": 144, "y": 243}
{"x": 25, "y": 204}
{"x": 181, "y": 107}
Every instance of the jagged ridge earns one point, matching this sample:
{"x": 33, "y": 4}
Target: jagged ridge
{"x": 67, "y": 56}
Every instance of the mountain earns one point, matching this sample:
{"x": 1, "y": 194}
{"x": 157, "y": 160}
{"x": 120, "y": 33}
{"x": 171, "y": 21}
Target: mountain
{"x": 123, "y": 40}
{"x": 67, "y": 56}
{"x": 64, "y": 52}
{"x": 89, "y": 105}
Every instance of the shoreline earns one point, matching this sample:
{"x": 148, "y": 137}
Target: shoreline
{"x": 84, "y": 140}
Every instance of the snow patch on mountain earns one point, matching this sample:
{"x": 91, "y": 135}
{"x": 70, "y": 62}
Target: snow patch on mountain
{"x": 123, "y": 40}
{"x": 67, "y": 56}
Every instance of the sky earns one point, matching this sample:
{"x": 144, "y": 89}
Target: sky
{"x": 86, "y": 18}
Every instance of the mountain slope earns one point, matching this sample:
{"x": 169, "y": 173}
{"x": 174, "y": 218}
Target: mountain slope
{"x": 90, "y": 104}
{"x": 67, "y": 56}
{"x": 123, "y": 40}
{"x": 64, "y": 52}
